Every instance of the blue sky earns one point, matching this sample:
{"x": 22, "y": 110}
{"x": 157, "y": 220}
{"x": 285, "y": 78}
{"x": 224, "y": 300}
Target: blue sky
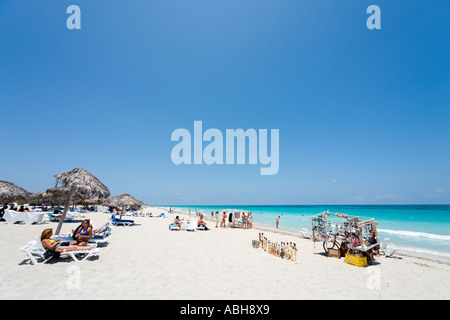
{"x": 363, "y": 114}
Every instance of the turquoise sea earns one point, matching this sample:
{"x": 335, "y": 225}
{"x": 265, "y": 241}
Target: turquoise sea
{"x": 417, "y": 228}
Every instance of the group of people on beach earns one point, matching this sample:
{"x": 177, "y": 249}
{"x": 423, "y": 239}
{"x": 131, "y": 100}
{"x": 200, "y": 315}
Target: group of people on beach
{"x": 246, "y": 219}
{"x": 5, "y": 207}
{"x": 132, "y": 212}
{"x": 200, "y": 222}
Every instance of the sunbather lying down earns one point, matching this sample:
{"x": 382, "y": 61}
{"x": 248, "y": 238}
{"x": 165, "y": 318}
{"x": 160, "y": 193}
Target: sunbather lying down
{"x": 103, "y": 228}
{"x": 58, "y": 245}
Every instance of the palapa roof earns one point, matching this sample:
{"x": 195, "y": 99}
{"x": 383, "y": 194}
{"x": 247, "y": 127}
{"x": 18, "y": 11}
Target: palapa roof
{"x": 124, "y": 200}
{"x": 93, "y": 200}
{"x": 39, "y": 196}
{"x": 10, "y": 192}
{"x": 85, "y": 184}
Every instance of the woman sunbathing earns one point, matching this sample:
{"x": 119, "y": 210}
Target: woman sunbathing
{"x": 82, "y": 234}
{"x": 59, "y": 246}
{"x": 103, "y": 228}
{"x": 177, "y": 222}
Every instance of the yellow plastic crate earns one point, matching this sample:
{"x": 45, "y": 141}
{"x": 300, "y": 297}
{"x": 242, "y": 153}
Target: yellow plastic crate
{"x": 356, "y": 261}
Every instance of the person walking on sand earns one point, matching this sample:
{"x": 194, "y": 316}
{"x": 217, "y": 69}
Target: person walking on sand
{"x": 278, "y": 220}
{"x": 217, "y": 219}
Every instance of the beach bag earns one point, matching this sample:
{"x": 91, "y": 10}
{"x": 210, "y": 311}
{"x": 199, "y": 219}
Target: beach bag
{"x": 51, "y": 254}
{"x": 76, "y": 231}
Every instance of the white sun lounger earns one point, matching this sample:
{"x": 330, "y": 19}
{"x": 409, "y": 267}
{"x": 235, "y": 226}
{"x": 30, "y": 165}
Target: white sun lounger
{"x": 188, "y": 226}
{"x": 34, "y": 248}
{"x": 98, "y": 241}
{"x": 102, "y": 234}
{"x": 388, "y": 248}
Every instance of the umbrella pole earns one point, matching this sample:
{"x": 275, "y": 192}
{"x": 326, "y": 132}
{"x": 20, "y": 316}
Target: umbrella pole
{"x": 66, "y": 208}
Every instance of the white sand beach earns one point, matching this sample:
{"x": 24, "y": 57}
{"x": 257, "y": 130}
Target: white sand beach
{"x": 147, "y": 261}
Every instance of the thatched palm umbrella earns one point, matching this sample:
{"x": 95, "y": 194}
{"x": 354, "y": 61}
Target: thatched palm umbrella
{"x": 10, "y": 192}
{"x": 79, "y": 183}
{"x": 93, "y": 200}
{"x": 38, "y": 197}
{"x": 124, "y": 200}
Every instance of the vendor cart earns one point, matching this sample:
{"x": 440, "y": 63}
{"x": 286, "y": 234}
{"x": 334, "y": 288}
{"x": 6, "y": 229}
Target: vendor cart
{"x": 235, "y": 217}
{"x": 347, "y": 234}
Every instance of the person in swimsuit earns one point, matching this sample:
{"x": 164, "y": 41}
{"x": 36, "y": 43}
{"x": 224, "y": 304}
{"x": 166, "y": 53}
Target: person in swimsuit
{"x": 177, "y": 222}
{"x": 244, "y": 221}
{"x": 201, "y": 223}
{"x": 224, "y": 217}
{"x": 83, "y": 233}
{"x": 217, "y": 219}
{"x": 57, "y": 245}
{"x": 250, "y": 220}
{"x": 105, "y": 228}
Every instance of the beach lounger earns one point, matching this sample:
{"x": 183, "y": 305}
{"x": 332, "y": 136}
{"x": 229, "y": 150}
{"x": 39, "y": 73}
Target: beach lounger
{"x": 388, "y": 248}
{"x": 76, "y": 215}
{"x": 192, "y": 226}
{"x": 188, "y": 226}
{"x": 161, "y": 215}
{"x": 103, "y": 234}
{"x": 198, "y": 228}
{"x": 99, "y": 241}
{"x": 12, "y": 216}
{"x": 55, "y": 218}
{"x": 120, "y": 222}
{"x": 34, "y": 248}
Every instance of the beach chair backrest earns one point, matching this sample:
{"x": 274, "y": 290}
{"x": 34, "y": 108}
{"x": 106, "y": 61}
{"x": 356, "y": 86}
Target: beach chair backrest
{"x": 38, "y": 246}
{"x": 33, "y": 246}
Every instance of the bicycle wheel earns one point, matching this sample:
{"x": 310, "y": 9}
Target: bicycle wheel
{"x": 330, "y": 244}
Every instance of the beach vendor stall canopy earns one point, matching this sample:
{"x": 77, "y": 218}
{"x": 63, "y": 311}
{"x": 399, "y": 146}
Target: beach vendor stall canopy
{"x": 10, "y": 192}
